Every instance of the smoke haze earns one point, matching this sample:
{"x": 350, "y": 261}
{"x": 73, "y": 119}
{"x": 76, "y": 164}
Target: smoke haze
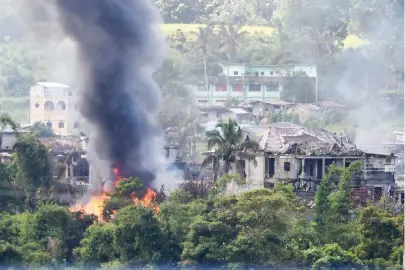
{"x": 117, "y": 48}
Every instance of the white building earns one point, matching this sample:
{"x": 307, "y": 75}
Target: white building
{"x": 55, "y": 105}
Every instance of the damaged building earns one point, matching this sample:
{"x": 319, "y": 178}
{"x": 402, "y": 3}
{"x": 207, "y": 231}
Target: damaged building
{"x": 295, "y": 154}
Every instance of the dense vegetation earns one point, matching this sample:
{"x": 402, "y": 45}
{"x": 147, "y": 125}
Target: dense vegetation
{"x": 259, "y": 228}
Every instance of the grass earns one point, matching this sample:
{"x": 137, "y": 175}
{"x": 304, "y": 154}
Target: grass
{"x": 352, "y": 41}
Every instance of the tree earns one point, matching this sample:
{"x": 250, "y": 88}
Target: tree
{"x": 204, "y": 44}
{"x": 231, "y": 37}
{"x": 230, "y": 148}
{"x": 33, "y": 170}
{"x": 139, "y": 239}
{"x": 42, "y": 130}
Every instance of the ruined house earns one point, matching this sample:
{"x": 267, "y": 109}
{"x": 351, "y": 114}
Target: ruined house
{"x": 295, "y": 154}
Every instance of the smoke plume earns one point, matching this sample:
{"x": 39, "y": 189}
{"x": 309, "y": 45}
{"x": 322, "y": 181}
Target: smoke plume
{"x": 118, "y": 49}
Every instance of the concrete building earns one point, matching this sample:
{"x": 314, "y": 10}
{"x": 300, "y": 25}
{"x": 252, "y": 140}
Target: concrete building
{"x": 220, "y": 113}
{"x": 8, "y": 137}
{"x": 262, "y": 108}
{"x": 294, "y": 154}
{"x": 248, "y": 83}
{"x": 55, "y": 105}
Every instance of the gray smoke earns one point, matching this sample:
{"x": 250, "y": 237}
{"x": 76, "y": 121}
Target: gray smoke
{"x": 118, "y": 49}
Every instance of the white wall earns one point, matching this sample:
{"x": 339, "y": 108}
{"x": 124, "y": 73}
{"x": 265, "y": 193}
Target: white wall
{"x": 8, "y": 140}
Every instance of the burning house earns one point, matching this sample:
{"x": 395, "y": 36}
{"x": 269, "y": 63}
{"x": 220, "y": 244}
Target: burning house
{"x": 295, "y": 154}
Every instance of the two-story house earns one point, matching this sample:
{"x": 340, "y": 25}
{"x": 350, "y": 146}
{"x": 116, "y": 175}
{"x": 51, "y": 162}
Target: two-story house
{"x": 248, "y": 83}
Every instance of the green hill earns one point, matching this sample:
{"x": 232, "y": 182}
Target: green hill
{"x": 352, "y": 41}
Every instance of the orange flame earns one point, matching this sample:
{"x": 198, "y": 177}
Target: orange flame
{"x": 148, "y": 200}
{"x": 94, "y": 206}
{"x": 96, "y": 203}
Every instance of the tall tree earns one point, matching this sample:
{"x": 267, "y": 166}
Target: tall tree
{"x": 203, "y": 45}
{"x": 229, "y": 147}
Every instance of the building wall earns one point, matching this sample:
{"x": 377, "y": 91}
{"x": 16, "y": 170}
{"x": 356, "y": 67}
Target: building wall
{"x": 255, "y": 174}
{"x": 56, "y": 107}
{"x": 281, "y": 173}
{"x": 8, "y": 140}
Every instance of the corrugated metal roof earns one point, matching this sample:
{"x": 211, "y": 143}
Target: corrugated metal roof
{"x": 52, "y": 85}
{"x": 238, "y": 111}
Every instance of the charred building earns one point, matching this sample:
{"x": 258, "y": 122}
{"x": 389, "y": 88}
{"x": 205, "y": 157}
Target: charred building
{"x": 295, "y": 154}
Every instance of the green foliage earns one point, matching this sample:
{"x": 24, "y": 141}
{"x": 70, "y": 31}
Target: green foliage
{"x": 42, "y": 130}
{"x": 31, "y": 162}
{"x": 230, "y": 147}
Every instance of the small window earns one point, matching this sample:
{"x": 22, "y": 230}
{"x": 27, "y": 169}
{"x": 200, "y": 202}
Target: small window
{"x": 247, "y": 73}
{"x": 287, "y": 166}
{"x": 70, "y": 93}
{"x": 235, "y": 73}
{"x": 271, "y": 72}
{"x": 256, "y": 73}
{"x": 49, "y": 124}
{"x": 76, "y": 125}
{"x": 262, "y": 73}
{"x": 61, "y": 124}
{"x": 36, "y": 105}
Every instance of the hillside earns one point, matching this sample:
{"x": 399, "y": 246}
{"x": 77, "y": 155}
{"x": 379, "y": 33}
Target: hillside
{"x": 352, "y": 41}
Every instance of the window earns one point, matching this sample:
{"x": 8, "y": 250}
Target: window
{"x": 49, "y": 106}
{"x": 262, "y": 73}
{"x": 76, "y": 125}
{"x": 235, "y": 73}
{"x": 287, "y": 166}
{"x": 271, "y": 72}
{"x": 237, "y": 88}
{"x": 256, "y": 73}
{"x": 247, "y": 73}
{"x": 49, "y": 124}
{"x": 202, "y": 101}
{"x": 70, "y": 93}
{"x": 61, "y": 124}
{"x": 220, "y": 87}
{"x": 272, "y": 87}
{"x": 218, "y": 114}
{"x": 61, "y": 105}
{"x": 36, "y": 105}
{"x": 254, "y": 87}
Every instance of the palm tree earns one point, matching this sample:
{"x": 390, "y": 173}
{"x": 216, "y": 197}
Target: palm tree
{"x": 230, "y": 36}
{"x": 203, "y": 44}
{"x": 230, "y": 148}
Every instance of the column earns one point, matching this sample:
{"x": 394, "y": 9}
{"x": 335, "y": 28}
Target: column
{"x": 323, "y": 167}
{"x": 303, "y": 167}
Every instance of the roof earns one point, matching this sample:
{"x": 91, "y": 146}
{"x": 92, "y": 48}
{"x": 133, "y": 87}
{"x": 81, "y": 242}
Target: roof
{"x": 238, "y": 111}
{"x": 8, "y": 129}
{"x": 289, "y": 138}
{"x": 273, "y": 102}
{"x": 61, "y": 144}
{"x": 329, "y": 104}
{"x": 52, "y": 85}
{"x": 307, "y": 106}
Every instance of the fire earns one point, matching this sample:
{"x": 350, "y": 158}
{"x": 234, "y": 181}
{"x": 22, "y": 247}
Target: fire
{"x": 96, "y": 203}
{"x": 93, "y": 206}
{"x": 148, "y": 200}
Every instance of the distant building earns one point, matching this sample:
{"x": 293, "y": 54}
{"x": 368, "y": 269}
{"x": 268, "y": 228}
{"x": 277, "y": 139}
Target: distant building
{"x": 55, "y": 105}
{"x": 219, "y": 113}
{"x": 248, "y": 83}
{"x": 8, "y": 137}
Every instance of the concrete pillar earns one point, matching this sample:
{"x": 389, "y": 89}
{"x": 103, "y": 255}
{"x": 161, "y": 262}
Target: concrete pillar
{"x": 323, "y": 167}
{"x": 303, "y": 167}
{"x": 344, "y": 162}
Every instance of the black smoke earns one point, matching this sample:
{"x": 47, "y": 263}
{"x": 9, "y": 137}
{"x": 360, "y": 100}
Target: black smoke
{"x": 118, "y": 49}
